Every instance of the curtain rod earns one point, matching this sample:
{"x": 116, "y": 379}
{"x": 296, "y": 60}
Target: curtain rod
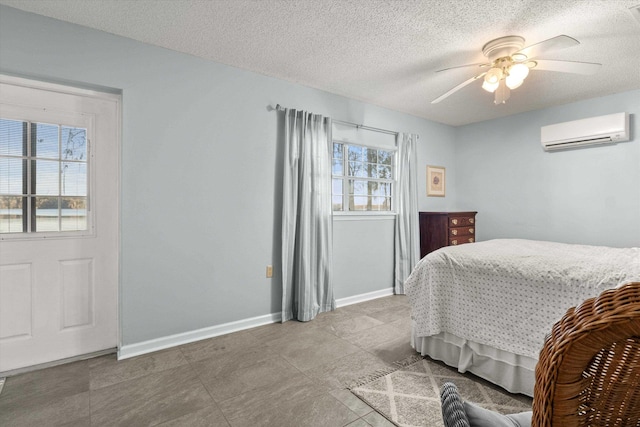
{"x": 356, "y": 125}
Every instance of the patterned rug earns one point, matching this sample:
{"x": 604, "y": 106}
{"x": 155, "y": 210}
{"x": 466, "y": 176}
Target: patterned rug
{"x": 409, "y": 395}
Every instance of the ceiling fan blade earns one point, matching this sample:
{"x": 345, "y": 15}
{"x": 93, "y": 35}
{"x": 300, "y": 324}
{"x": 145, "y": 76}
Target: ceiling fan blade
{"x": 479, "y": 64}
{"x": 586, "y": 68}
{"x": 457, "y": 88}
{"x": 554, "y": 43}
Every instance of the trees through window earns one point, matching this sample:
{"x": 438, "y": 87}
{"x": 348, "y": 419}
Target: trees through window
{"x": 362, "y": 178}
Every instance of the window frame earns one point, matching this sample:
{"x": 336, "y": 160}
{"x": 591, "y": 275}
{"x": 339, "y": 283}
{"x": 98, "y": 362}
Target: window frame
{"x": 59, "y": 118}
{"x": 345, "y": 178}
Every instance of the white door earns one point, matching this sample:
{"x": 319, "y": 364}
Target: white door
{"x": 59, "y": 174}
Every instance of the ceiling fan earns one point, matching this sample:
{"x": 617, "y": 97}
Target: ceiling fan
{"x": 510, "y": 63}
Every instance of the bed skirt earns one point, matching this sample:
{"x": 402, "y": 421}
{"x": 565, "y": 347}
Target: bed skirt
{"x": 515, "y": 373}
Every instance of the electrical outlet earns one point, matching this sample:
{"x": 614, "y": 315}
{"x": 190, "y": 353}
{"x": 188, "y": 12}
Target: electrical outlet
{"x": 269, "y": 271}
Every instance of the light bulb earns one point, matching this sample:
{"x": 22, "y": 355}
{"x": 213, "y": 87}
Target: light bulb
{"x": 519, "y": 71}
{"x": 512, "y": 82}
{"x": 490, "y": 87}
{"x": 493, "y": 76}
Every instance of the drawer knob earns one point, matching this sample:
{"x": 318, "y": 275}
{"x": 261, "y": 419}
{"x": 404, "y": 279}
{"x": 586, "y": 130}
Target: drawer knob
{"x": 454, "y": 242}
{"x": 471, "y": 230}
{"x": 454, "y": 221}
{"x": 454, "y": 232}
{"x": 471, "y": 240}
{"x": 471, "y": 220}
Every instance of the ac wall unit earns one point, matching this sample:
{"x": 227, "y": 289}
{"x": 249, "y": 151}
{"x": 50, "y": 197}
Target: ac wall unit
{"x": 595, "y": 130}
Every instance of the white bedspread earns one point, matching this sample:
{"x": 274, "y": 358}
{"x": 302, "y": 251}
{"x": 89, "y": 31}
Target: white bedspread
{"x": 508, "y": 293}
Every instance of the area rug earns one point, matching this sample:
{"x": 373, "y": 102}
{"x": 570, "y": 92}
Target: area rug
{"x": 408, "y": 395}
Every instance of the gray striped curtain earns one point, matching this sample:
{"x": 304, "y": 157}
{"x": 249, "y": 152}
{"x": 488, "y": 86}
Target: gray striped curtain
{"x": 407, "y": 233}
{"x": 307, "y": 235}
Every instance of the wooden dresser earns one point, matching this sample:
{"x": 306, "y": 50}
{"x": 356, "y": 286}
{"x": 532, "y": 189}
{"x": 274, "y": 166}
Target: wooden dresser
{"x": 438, "y": 229}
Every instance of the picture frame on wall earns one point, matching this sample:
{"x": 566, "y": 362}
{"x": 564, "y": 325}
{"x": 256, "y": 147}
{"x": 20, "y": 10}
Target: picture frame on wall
{"x": 436, "y": 181}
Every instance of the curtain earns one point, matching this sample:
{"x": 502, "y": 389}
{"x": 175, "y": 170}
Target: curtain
{"x": 307, "y": 236}
{"x": 407, "y": 233}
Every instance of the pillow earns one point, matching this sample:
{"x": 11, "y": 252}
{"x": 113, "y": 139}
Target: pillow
{"x": 480, "y": 417}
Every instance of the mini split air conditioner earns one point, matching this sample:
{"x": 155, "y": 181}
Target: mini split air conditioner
{"x": 595, "y": 130}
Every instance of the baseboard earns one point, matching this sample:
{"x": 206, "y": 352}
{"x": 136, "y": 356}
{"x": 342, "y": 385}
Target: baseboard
{"x": 131, "y": 350}
{"x": 364, "y": 297}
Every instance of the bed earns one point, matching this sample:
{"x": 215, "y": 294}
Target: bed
{"x": 486, "y": 307}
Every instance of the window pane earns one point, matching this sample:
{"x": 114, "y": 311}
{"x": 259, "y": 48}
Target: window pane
{"x": 350, "y": 193}
{"x": 355, "y": 152}
{"x": 12, "y": 136}
{"x": 337, "y": 150}
{"x": 337, "y": 192}
{"x": 47, "y": 176}
{"x": 358, "y": 188}
{"x": 74, "y": 213}
{"x": 371, "y": 187}
{"x": 11, "y": 176}
{"x": 371, "y": 155}
{"x": 11, "y": 214}
{"x": 359, "y": 203}
{"x": 47, "y": 214}
{"x": 45, "y": 141}
{"x": 336, "y": 186}
{"x": 376, "y": 203}
{"x": 357, "y": 169}
{"x": 337, "y": 202}
{"x": 380, "y": 203}
{"x": 383, "y": 189}
{"x": 384, "y": 157}
{"x": 74, "y": 143}
{"x": 337, "y": 167}
{"x": 73, "y": 177}
{"x": 372, "y": 170}
{"x": 384, "y": 172}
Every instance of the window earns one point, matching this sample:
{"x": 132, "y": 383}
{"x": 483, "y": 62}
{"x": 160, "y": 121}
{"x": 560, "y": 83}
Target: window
{"x": 44, "y": 178}
{"x": 362, "y": 178}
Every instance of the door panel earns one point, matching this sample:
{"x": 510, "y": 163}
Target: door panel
{"x": 15, "y": 302}
{"x": 77, "y": 283}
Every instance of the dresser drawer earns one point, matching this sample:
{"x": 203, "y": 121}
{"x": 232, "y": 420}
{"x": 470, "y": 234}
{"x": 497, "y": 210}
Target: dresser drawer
{"x": 461, "y": 221}
{"x": 453, "y": 241}
{"x": 439, "y": 229}
{"x": 461, "y": 231}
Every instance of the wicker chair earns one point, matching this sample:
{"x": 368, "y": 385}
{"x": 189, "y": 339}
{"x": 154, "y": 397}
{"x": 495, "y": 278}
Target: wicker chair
{"x": 588, "y": 373}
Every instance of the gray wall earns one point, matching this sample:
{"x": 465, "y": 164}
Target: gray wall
{"x": 200, "y": 161}
{"x": 586, "y": 196}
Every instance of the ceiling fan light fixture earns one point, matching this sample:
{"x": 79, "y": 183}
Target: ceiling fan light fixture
{"x": 509, "y": 64}
{"x": 493, "y": 76}
{"x": 512, "y": 82}
{"x": 490, "y": 87}
{"x": 518, "y": 72}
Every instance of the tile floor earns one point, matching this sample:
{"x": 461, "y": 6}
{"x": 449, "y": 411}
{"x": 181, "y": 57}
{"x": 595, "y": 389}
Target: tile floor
{"x": 283, "y": 374}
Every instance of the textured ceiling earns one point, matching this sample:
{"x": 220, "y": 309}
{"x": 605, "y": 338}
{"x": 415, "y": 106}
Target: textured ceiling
{"x": 383, "y": 52}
